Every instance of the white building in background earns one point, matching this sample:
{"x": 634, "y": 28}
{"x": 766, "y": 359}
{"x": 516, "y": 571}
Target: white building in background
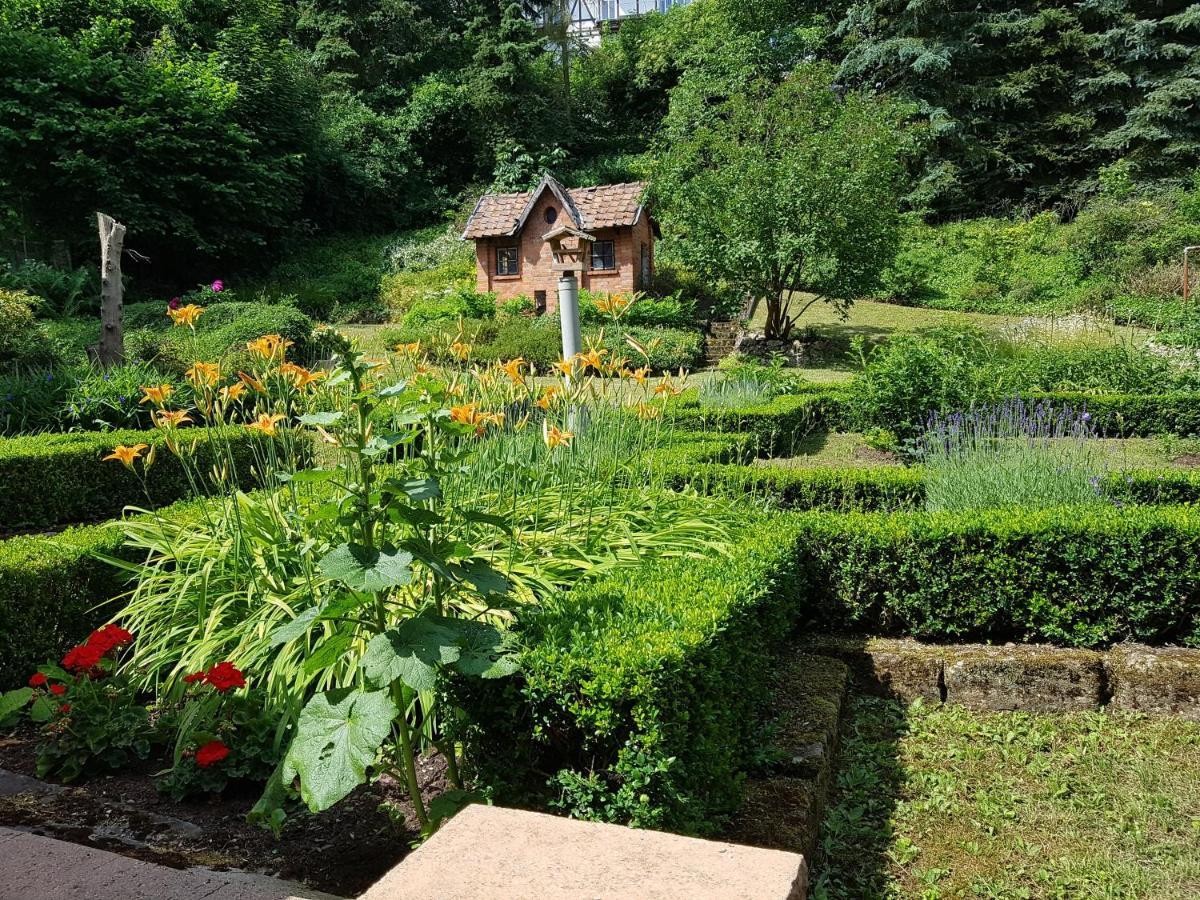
{"x": 589, "y": 18}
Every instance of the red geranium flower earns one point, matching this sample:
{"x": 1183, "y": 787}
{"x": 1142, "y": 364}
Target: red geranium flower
{"x": 224, "y": 676}
{"x": 210, "y": 753}
{"x": 83, "y": 658}
{"x": 193, "y": 678}
{"x": 65, "y": 708}
{"x": 58, "y": 689}
{"x": 108, "y": 638}
{"x": 37, "y": 679}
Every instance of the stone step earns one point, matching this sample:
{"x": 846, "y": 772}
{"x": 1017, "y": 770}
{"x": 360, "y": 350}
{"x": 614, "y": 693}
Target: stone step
{"x": 486, "y": 852}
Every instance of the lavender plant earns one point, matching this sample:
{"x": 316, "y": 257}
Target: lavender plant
{"x": 1012, "y": 454}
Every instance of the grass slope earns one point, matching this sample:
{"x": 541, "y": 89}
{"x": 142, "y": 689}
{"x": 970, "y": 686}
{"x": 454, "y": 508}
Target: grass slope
{"x": 943, "y": 802}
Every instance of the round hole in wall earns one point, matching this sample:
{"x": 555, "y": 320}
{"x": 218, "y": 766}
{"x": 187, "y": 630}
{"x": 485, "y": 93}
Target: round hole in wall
{"x": 551, "y": 215}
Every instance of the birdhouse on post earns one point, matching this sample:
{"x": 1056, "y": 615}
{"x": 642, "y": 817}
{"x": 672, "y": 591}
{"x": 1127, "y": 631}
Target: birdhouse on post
{"x": 570, "y": 247}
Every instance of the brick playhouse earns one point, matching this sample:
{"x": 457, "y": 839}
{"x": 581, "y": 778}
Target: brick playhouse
{"x": 608, "y": 227}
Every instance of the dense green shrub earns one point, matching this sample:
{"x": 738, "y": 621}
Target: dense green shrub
{"x": 951, "y": 369}
{"x": 1079, "y": 577}
{"x": 60, "y": 292}
{"x": 221, "y": 333}
{"x": 449, "y": 305}
{"x": 639, "y": 695}
{"x": 23, "y": 342}
{"x": 859, "y": 489}
{"x": 51, "y": 479}
{"x": 76, "y": 397}
{"x": 657, "y": 312}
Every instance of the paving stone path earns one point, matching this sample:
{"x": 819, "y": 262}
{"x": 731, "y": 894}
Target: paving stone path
{"x": 33, "y": 867}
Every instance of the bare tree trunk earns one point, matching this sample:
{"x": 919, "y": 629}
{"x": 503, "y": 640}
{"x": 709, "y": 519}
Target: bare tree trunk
{"x": 111, "y": 349}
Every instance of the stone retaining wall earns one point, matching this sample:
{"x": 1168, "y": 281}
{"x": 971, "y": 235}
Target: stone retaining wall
{"x": 1162, "y": 681}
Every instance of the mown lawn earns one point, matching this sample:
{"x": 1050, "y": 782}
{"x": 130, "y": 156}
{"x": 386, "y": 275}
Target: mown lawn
{"x": 943, "y": 802}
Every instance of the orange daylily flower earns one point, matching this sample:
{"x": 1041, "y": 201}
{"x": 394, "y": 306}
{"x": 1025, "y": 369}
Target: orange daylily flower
{"x": 269, "y": 345}
{"x": 667, "y": 387}
{"x": 614, "y": 305}
{"x": 566, "y": 367}
{"x": 299, "y": 376}
{"x": 464, "y": 414}
{"x": 252, "y": 382}
{"x": 171, "y": 418}
{"x": 639, "y": 375}
{"x": 593, "y": 358}
{"x": 232, "y": 392}
{"x": 648, "y": 411}
{"x": 266, "y": 423}
{"x": 203, "y": 373}
{"x": 468, "y": 414}
{"x": 548, "y": 394}
{"x": 158, "y": 394}
{"x": 413, "y": 349}
{"x": 515, "y": 370}
{"x": 126, "y": 455}
{"x": 555, "y": 436}
{"x": 460, "y": 351}
{"x": 186, "y": 315}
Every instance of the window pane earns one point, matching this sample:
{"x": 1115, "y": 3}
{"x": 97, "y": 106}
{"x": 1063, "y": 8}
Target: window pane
{"x": 506, "y": 261}
{"x": 603, "y": 255}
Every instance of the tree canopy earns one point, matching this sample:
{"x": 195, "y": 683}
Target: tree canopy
{"x": 782, "y": 188}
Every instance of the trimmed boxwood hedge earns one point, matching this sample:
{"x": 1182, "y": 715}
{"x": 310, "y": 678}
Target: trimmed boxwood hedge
{"x": 705, "y": 467}
{"x": 50, "y": 588}
{"x": 640, "y": 694}
{"x": 1070, "y": 576}
{"x": 860, "y": 489}
{"x": 776, "y": 425}
{"x": 52, "y": 479}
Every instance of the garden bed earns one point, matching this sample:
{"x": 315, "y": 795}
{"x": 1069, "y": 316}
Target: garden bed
{"x": 342, "y": 851}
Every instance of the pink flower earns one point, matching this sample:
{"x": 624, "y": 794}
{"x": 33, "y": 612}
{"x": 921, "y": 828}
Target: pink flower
{"x": 218, "y": 286}
{"x": 173, "y": 303}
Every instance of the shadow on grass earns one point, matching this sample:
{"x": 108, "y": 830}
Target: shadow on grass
{"x": 856, "y": 842}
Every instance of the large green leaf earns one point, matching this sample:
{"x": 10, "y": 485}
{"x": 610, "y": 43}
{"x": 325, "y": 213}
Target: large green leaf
{"x": 413, "y": 651}
{"x": 14, "y": 701}
{"x": 410, "y": 652}
{"x": 483, "y": 651}
{"x": 367, "y": 569}
{"x": 480, "y": 574}
{"x": 338, "y": 736}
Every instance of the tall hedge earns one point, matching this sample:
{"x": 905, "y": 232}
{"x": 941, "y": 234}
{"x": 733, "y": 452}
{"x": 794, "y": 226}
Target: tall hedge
{"x": 1071, "y": 576}
{"x": 639, "y": 695}
{"x": 53, "y": 479}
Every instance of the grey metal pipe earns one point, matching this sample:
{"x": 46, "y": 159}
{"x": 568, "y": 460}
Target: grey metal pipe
{"x": 568, "y": 314}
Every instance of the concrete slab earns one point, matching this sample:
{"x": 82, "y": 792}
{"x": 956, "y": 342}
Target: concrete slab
{"x": 33, "y": 867}
{"x": 487, "y": 852}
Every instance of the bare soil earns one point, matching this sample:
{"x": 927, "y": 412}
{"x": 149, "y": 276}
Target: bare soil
{"x": 342, "y": 851}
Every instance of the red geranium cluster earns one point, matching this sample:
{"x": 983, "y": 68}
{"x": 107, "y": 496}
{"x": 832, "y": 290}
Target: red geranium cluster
{"x": 39, "y": 680}
{"x": 224, "y": 676}
{"x": 211, "y": 753}
{"x": 85, "y": 659}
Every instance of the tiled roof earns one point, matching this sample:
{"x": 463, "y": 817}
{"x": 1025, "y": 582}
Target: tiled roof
{"x": 603, "y": 206}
